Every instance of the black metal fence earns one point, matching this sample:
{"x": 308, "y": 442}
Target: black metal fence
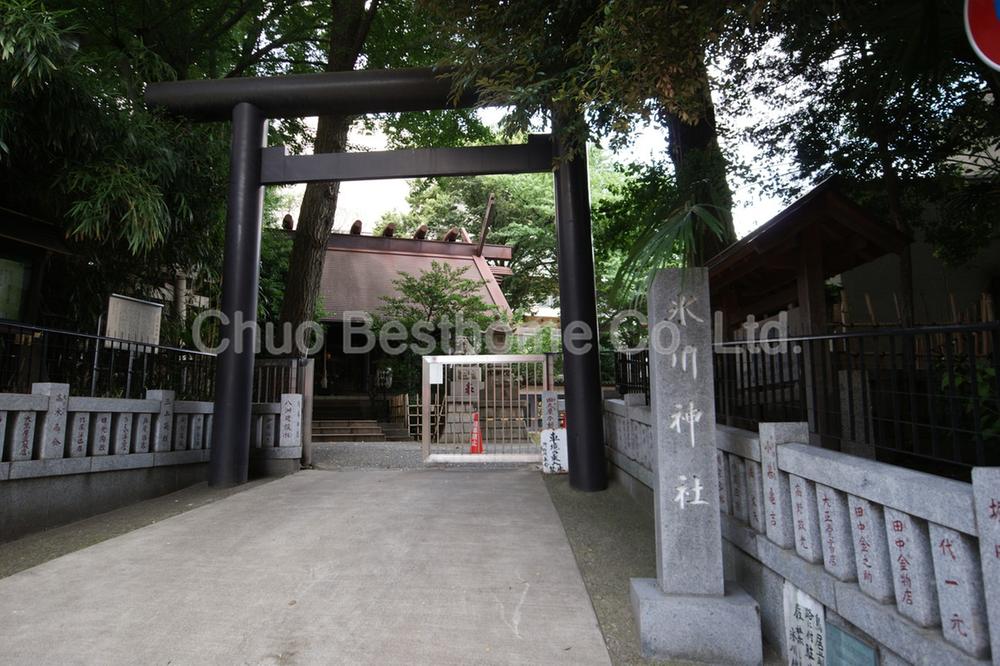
{"x": 274, "y": 376}
{"x": 926, "y": 398}
{"x": 632, "y": 372}
{"x": 100, "y": 366}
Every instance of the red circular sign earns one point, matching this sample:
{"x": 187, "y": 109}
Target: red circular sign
{"x": 982, "y": 25}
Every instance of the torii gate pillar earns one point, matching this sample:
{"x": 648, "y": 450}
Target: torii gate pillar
{"x": 588, "y": 469}
{"x": 229, "y": 462}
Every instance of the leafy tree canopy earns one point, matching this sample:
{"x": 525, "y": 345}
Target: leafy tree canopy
{"x": 443, "y": 293}
{"x": 620, "y": 60}
{"x": 887, "y": 94}
{"x": 439, "y": 299}
{"x": 139, "y": 194}
{"x": 524, "y": 218}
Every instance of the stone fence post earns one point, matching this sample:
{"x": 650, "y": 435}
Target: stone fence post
{"x": 163, "y": 422}
{"x": 688, "y": 612}
{"x": 290, "y": 424}
{"x": 53, "y": 444}
{"x": 986, "y": 502}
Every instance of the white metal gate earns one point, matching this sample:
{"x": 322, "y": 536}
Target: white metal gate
{"x": 499, "y": 394}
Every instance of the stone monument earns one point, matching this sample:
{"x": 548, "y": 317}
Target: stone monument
{"x": 688, "y": 612}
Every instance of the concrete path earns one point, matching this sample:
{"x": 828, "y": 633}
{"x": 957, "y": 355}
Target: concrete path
{"x": 393, "y": 567}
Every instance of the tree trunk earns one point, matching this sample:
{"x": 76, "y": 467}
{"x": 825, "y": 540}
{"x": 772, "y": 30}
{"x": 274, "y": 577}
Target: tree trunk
{"x": 890, "y": 179}
{"x": 700, "y": 169}
{"x": 319, "y": 205}
{"x": 348, "y": 30}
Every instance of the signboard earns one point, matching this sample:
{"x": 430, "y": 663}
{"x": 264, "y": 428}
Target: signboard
{"x": 133, "y": 320}
{"x": 982, "y": 25}
{"x": 550, "y": 410}
{"x": 805, "y": 628}
{"x": 465, "y": 383}
{"x": 12, "y": 285}
{"x": 843, "y": 649}
{"x": 436, "y": 373}
{"x": 555, "y": 459}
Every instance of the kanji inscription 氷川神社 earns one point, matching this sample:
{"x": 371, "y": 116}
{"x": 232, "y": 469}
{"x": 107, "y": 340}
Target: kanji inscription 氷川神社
{"x": 687, "y": 502}
{"x": 689, "y": 494}
{"x": 683, "y": 405}
{"x": 688, "y": 416}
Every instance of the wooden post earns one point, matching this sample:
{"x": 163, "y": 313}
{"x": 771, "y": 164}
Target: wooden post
{"x": 810, "y": 284}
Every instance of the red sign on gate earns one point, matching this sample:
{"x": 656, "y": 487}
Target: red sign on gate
{"x": 982, "y": 25}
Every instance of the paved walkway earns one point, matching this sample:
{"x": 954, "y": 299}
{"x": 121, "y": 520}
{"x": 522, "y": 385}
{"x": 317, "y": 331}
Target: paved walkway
{"x": 393, "y": 567}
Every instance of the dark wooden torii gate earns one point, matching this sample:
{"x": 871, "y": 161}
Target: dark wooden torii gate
{"x": 250, "y": 102}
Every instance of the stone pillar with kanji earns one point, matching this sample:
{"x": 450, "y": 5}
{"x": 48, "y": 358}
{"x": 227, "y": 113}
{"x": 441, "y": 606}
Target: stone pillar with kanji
{"x": 686, "y": 610}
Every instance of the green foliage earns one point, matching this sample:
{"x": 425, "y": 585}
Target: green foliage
{"x": 620, "y": 60}
{"x": 967, "y": 217}
{"x": 660, "y": 226}
{"x": 433, "y": 129}
{"x": 203, "y": 38}
{"x": 644, "y": 201}
{"x": 139, "y": 195}
{"x": 543, "y": 341}
{"x": 275, "y": 259}
{"x": 976, "y": 391}
{"x": 275, "y": 250}
{"x": 403, "y": 34}
{"x": 618, "y": 63}
{"x": 640, "y": 220}
{"x": 440, "y": 297}
{"x": 524, "y": 218}
{"x": 886, "y": 94}
{"x": 27, "y": 40}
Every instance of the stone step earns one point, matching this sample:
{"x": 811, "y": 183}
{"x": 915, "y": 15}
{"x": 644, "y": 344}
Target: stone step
{"x": 395, "y": 432}
{"x": 346, "y": 422}
{"x": 347, "y": 431}
{"x": 339, "y": 422}
{"x": 348, "y": 437}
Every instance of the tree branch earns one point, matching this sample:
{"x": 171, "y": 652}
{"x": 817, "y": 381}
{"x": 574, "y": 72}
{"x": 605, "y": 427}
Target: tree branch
{"x": 363, "y": 27}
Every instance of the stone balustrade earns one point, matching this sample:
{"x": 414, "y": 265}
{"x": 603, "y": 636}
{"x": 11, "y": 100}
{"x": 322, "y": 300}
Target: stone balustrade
{"x": 628, "y": 433}
{"x": 912, "y": 560}
{"x": 49, "y": 432}
{"x": 893, "y": 551}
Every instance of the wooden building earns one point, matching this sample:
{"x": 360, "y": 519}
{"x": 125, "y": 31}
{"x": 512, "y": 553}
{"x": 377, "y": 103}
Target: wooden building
{"x": 359, "y": 271}
{"x": 784, "y": 264}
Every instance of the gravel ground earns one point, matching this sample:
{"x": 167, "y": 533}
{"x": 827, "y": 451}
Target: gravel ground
{"x": 366, "y": 455}
{"x": 385, "y": 455}
{"x": 613, "y": 540}
{"x": 40, "y": 547}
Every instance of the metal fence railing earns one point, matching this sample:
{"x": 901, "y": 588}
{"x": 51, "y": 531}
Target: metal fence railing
{"x": 273, "y": 377}
{"x": 100, "y": 366}
{"x": 632, "y": 372}
{"x": 495, "y": 396}
{"x": 927, "y": 398}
